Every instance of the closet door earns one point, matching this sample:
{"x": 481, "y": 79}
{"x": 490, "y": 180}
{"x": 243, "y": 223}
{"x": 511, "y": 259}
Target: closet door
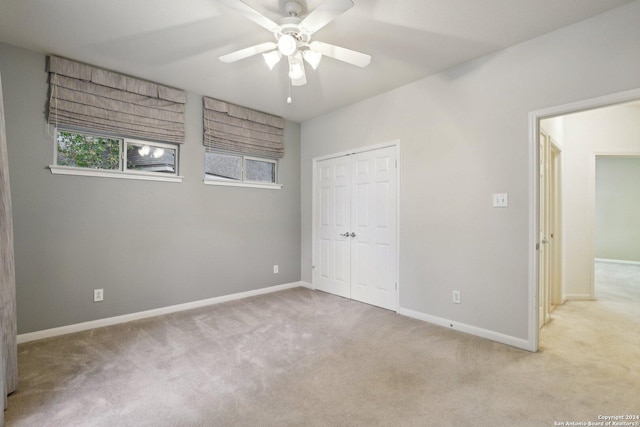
{"x": 373, "y": 227}
{"x": 355, "y": 242}
{"x": 332, "y": 271}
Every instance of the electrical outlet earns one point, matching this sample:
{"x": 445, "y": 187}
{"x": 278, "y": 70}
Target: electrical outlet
{"x": 275, "y": 269}
{"x": 500, "y": 200}
{"x": 456, "y": 297}
{"x": 98, "y": 295}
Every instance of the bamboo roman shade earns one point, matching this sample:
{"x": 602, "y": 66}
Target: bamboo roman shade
{"x": 88, "y": 97}
{"x": 238, "y": 129}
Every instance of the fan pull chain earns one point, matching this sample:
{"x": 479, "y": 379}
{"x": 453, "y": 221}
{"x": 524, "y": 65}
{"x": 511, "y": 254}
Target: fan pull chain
{"x": 289, "y": 100}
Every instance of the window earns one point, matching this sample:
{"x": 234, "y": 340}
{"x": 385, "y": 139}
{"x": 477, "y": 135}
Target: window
{"x": 234, "y": 169}
{"x": 259, "y": 170}
{"x": 87, "y": 151}
{"x": 241, "y": 145}
{"x": 144, "y": 156}
{"x": 79, "y": 153}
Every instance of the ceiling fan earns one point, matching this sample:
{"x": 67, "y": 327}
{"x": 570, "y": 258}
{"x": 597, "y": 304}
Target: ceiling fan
{"x": 293, "y": 38}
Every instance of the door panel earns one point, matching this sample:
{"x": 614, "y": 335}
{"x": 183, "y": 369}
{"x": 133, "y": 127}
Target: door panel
{"x": 325, "y": 247}
{"x": 374, "y": 275}
{"x": 332, "y": 266}
{"x": 382, "y": 205}
{"x": 362, "y": 195}
{"x": 555, "y": 290}
{"x": 545, "y": 238}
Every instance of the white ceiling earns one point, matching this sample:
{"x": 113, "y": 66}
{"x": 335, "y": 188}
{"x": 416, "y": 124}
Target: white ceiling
{"x": 177, "y": 42}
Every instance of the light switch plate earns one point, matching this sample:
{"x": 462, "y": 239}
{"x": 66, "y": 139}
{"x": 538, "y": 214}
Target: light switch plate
{"x": 500, "y": 200}
{"x": 455, "y": 297}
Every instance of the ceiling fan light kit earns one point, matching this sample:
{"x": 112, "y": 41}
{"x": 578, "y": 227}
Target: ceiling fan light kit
{"x": 296, "y": 68}
{"x": 287, "y": 45}
{"x": 313, "y": 58}
{"x": 272, "y": 58}
{"x": 293, "y": 38}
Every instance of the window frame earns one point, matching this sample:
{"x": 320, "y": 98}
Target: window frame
{"x": 244, "y": 182}
{"x": 123, "y": 172}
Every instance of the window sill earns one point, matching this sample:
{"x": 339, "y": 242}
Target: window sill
{"x": 243, "y": 184}
{"x": 67, "y": 170}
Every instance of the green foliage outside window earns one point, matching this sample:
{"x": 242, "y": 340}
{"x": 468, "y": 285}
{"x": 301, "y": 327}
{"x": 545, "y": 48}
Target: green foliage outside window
{"x": 88, "y": 151}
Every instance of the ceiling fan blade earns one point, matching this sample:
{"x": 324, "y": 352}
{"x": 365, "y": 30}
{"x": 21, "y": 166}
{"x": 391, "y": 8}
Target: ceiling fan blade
{"x": 297, "y": 60}
{"x": 341, "y": 54}
{"x": 323, "y": 14}
{"x": 250, "y": 13}
{"x": 247, "y": 52}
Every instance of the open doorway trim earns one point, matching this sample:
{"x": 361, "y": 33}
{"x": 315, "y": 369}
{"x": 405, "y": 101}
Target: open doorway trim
{"x": 534, "y": 129}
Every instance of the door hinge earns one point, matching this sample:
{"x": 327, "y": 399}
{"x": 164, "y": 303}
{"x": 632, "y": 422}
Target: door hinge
{"x": 396, "y": 286}
{"x": 396, "y": 163}
{"x": 537, "y": 246}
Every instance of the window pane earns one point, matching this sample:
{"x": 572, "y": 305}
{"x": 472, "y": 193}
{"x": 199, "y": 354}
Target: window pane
{"x": 223, "y": 166}
{"x": 88, "y": 151}
{"x": 151, "y": 158}
{"x": 260, "y": 171}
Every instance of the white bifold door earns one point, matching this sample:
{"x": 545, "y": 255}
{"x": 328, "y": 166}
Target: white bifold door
{"x": 355, "y": 241}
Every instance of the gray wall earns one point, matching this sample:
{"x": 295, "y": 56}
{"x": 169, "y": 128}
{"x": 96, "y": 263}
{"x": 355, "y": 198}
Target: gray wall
{"x": 464, "y": 135}
{"x": 617, "y": 234}
{"x": 148, "y": 244}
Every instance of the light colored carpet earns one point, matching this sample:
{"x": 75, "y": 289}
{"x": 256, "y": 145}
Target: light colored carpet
{"x": 306, "y": 358}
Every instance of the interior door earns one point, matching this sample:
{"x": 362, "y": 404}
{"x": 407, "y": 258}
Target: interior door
{"x": 555, "y": 232}
{"x": 544, "y": 226}
{"x": 332, "y": 269}
{"x": 373, "y": 227}
{"x": 355, "y": 243}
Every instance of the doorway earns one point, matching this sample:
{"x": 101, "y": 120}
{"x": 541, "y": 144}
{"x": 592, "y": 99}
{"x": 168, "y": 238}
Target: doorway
{"x": 575, "y": 219}
{"x": 355, "y": 242}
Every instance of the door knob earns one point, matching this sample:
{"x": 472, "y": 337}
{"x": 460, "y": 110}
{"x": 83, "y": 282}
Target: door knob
{"x": 345, "y": 234}
{"x": 352, "y": 234}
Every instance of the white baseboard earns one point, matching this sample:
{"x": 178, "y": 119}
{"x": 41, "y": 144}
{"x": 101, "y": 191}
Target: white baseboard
{"x": 68, "y": 329}
{"x": 578, "y": 297}
{"x": 307, "y": 285}
{"x": 469, "y": 329}
{"x": 617, "y": 261}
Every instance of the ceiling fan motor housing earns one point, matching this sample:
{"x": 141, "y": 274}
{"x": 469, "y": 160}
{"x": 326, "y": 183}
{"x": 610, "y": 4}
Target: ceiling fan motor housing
{"x": 289, "y": 25}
